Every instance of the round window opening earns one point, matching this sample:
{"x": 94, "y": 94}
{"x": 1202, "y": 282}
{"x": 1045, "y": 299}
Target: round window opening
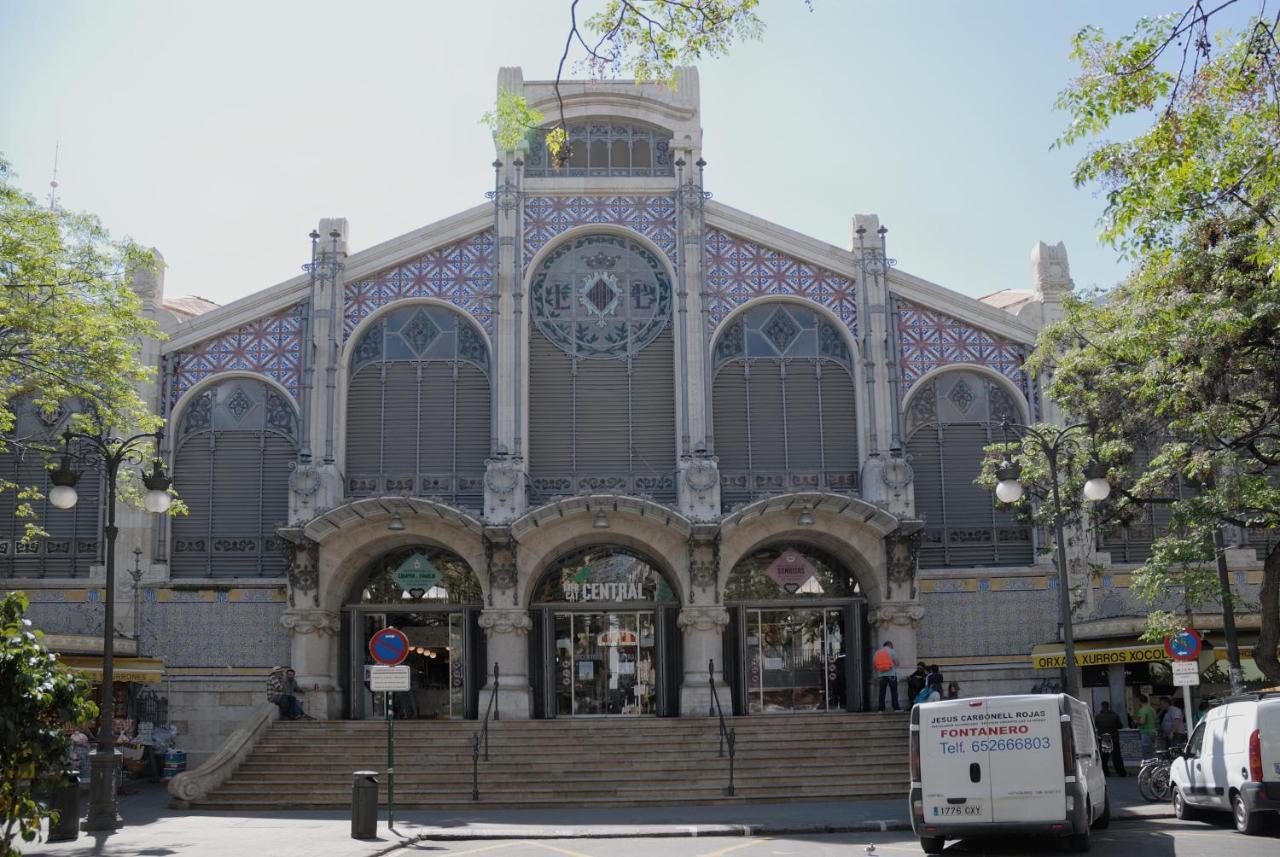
{"x": 603, "y": 574}
{"x": 601, "y": 296}
{"x": 788, "y": 572}
{"x": 419, "y": 575}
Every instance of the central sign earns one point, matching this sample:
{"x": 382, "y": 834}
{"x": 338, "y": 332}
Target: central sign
{"x": 791, "y": 570}
{"x": 416, "y": 575}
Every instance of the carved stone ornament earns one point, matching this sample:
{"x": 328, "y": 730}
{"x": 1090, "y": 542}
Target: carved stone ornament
{"x": 502, "y": 476}
{"x": 305, "y": 480}
{"x": 900, "y": 553}
{"x": 311, "y": 621}
{"x": 702, "y": 474}
{"x": 303, "y": 558}
{"x": 505, "y": 620}
{"x": 501, "y": 559}
{"x": 899, "y": 614}
{"x": 704, "y": 618}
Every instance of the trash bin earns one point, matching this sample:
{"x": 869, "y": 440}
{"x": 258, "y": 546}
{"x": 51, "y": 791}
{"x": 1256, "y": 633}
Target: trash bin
{"x": 66, "y": 801}
{"x": 364, "y": 805}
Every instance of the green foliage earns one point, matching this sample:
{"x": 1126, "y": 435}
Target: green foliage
{"x": 36, "y": 701}
{"x": 69, "y": 323}
{"x": 1179, "y": 366}
{"x": 511, "y": 120}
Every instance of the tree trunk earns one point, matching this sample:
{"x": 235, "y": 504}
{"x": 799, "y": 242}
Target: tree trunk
{"x": 1264, "y": 655}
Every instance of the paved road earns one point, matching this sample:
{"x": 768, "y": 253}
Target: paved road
{"x": 1156, "y": 838}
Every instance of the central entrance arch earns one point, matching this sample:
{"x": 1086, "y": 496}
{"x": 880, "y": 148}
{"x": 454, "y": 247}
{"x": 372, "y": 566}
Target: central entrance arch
{"x": 604, "y": 640}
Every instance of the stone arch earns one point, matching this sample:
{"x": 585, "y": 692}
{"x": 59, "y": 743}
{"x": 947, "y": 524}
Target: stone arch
{"x": 184, "y": 401}
{"x": 846, "y": 334}
{"x": 547, "y": 533}
{"x": 531, "y": 268}
{"x": 1020, "y": 396}
{"x": 354, "y": 534}
{"x": 348, "y": 345}
{"x": 848, "y": 529}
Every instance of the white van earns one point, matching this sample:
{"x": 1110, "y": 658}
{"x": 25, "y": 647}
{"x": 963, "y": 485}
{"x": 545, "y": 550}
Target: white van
{"x": 1000, "y": 765}
{"x": 1232, "y": 762}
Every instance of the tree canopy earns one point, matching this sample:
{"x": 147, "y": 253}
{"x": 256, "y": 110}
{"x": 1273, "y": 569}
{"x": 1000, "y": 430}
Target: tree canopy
{"x": 1179, "y": 366}
{"x": 70, "y": 326}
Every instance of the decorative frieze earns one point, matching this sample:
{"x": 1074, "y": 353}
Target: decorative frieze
{"x": 889, "y": 614}
{"x": 502, "y": 621}
{"x": 306, "y": 620}
{"x": 705, "y": 618}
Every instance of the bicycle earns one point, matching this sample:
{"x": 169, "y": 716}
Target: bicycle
{"x": 1153, "y": 778}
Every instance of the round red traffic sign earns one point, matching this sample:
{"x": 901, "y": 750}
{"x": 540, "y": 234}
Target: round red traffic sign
{"x": 1184, "y": 645}
{"x": 389, "y": 646}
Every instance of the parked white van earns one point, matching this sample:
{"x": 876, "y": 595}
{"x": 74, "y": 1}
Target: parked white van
{"x": 1232, "y": 762}
{"x": 1006, "y": 765}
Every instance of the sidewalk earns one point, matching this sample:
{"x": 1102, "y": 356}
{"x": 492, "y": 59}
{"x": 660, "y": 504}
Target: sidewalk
{"x": 154, "y": 830}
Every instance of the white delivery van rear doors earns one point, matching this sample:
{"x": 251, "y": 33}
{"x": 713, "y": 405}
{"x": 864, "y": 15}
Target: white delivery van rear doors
{"x": 992, "y": 760}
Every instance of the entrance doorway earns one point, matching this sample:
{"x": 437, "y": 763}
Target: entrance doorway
{"x": 604, "y": 639}
{"x": 797, "y": 633}
{"x": 432, "y": 596}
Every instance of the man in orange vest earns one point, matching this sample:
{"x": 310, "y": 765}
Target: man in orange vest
{"x": 885, "y": 663}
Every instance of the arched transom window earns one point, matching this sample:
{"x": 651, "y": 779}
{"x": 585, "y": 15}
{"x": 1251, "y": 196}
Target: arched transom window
{"x": 949, "y": 423}
{"x": 418, "y": 408}
{"x": 784, "y": 414}
{"x": 601, "y": 380}
{"x": 235, "y": 448}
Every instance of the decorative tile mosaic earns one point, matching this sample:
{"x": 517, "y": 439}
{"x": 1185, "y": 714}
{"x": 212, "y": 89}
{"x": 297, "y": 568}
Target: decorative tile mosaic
{"x": 545, "y": 217}
{"x": 463, "y": 273}
{"x": 217, "y": 634}
{"x": 270, "y": 346}
{"x": 738, "y": 270}
{"x": 1005, "y": 623}
{"x": 930, "y": 340}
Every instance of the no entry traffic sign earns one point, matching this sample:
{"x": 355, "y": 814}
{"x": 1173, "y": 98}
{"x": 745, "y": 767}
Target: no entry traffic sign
{"x": 389, "y": 646}
{"x": 1184, "y": 645}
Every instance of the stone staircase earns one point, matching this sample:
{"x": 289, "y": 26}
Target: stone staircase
{"x": 584, "y": 763}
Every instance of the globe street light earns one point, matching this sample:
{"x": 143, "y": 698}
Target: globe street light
{"x": 109, "y": 453}
{"x": 1009, "y": 489}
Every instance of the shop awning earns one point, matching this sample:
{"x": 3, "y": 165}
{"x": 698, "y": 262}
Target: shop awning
{"x": 1051, "y": 656}
{"x": 137, "y": 670}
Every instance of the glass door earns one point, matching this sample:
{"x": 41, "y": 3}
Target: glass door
{"x": 795, "y": 659}
{"x": 605, "y": 663}
{"x": 436, "y": 661}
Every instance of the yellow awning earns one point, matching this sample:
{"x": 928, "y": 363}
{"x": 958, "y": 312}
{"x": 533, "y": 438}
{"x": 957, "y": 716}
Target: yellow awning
{"x": 1050, "y": 656}
{"x": 138, "y": 670}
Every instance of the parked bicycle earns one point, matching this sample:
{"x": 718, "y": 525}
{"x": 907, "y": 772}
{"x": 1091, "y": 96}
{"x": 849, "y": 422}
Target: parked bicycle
{"x": 1153, "y": 778}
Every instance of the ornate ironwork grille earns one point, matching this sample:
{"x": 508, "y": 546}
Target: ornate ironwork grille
{"x": 601, "y": 376}
{"x": 784, "y": 405}
{"x": 236, "y": 445}
{"x": 418, "y": 408}
{"x": 605, "y": 149}
{"x": 949, "y": 422}
{"x": 71, "y": 545}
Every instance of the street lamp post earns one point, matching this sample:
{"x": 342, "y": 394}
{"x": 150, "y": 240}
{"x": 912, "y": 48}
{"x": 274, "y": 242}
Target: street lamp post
{"x": 109, "y": 453}
{"x": 1096, "y": 488}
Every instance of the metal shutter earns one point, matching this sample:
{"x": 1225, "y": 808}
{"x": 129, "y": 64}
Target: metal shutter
{"x": 603, "y": 422}
{"x": 653, "y": 412}
{"x": 803, "y": 415}
{"x": 551, "y": 425}
{"x": 839, "y": 426}
{"x": 732, "y": 433}
{"x": 400, "y": 432}
{"x": 474, "y": 433}
{"x": 925, "y": 451}
{"x": 237, "y": 506}
{"x": 364, "y": 429}
{"x": 190, "y": 533}
{"x": 768, "y": 434}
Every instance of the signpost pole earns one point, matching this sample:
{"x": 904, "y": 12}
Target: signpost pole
{"x": 391, "y": 759}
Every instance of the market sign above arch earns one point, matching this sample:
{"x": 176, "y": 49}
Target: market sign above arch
{"x": 791, "y": 570}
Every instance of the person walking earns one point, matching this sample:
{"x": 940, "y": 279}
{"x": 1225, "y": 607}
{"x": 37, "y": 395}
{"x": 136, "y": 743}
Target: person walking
{"x": 1145, "y": 721}
{"x": 885, "y": 663}
{"x": 1172, "y": 723}
{"x": 1109, "y": 723}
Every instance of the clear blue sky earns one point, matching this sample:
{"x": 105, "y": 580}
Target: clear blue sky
{"x": 220, "y": 132}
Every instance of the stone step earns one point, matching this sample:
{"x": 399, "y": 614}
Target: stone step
{"x": 428, "y": 778}
{"x": 411, "y": 791}
{"x": 555, "y": 764}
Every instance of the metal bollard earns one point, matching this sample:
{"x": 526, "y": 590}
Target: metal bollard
{"x": 364, "y": 805}
{"x": 66, "y": 800}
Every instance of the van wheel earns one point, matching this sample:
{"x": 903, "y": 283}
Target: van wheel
{"x": 1078, "y": 842}
{"x": 932, "y": 844}
{"x": 1104, "y": 820}
{"x": 1248, "y": 823}
{"x": 1181, "y": 809}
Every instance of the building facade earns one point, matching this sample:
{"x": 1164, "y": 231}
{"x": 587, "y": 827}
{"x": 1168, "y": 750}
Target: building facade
{"x": 602, "y": 431}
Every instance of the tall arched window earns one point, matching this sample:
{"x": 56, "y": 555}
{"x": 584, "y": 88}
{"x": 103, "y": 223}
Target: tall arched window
{"x": 949, "y": 423}
{"x": 601, "y": 378}
{"x": 418, "y": 408}
{"x": 235, "y": 446}
{"x": 73, "y": 541}
{"x": 784, "y": 405}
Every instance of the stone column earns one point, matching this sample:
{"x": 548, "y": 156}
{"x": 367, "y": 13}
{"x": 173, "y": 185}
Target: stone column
{"x": 897, "y": 621}
{"x": 317, "y": 483}
{"x": 313, "y": 645}
{"x": 507, "y": 631}
{"x": 703, "y": 634}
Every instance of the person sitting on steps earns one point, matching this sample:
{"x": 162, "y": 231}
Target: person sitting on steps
{"x": 283, "y": 690}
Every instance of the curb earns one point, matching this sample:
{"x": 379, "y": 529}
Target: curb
{"x": 668, "y": 831}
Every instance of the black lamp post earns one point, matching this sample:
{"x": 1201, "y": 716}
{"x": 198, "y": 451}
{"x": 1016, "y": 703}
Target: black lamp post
{"x": 1096, "y": 487}
{"x": 109, "y": 453}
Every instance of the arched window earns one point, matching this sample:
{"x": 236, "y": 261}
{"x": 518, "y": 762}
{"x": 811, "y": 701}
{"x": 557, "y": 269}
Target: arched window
{"x": 605, "y": 149}
{"x": 418, "y": 575}
{"x": 235, "y": 446}
{"x": 73, "y": 541}
{"x": 949, "y": 423}
{"x": 601, "y": 378}
{"x": 784, "y": 405}
{"x": 418, "y": 408}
